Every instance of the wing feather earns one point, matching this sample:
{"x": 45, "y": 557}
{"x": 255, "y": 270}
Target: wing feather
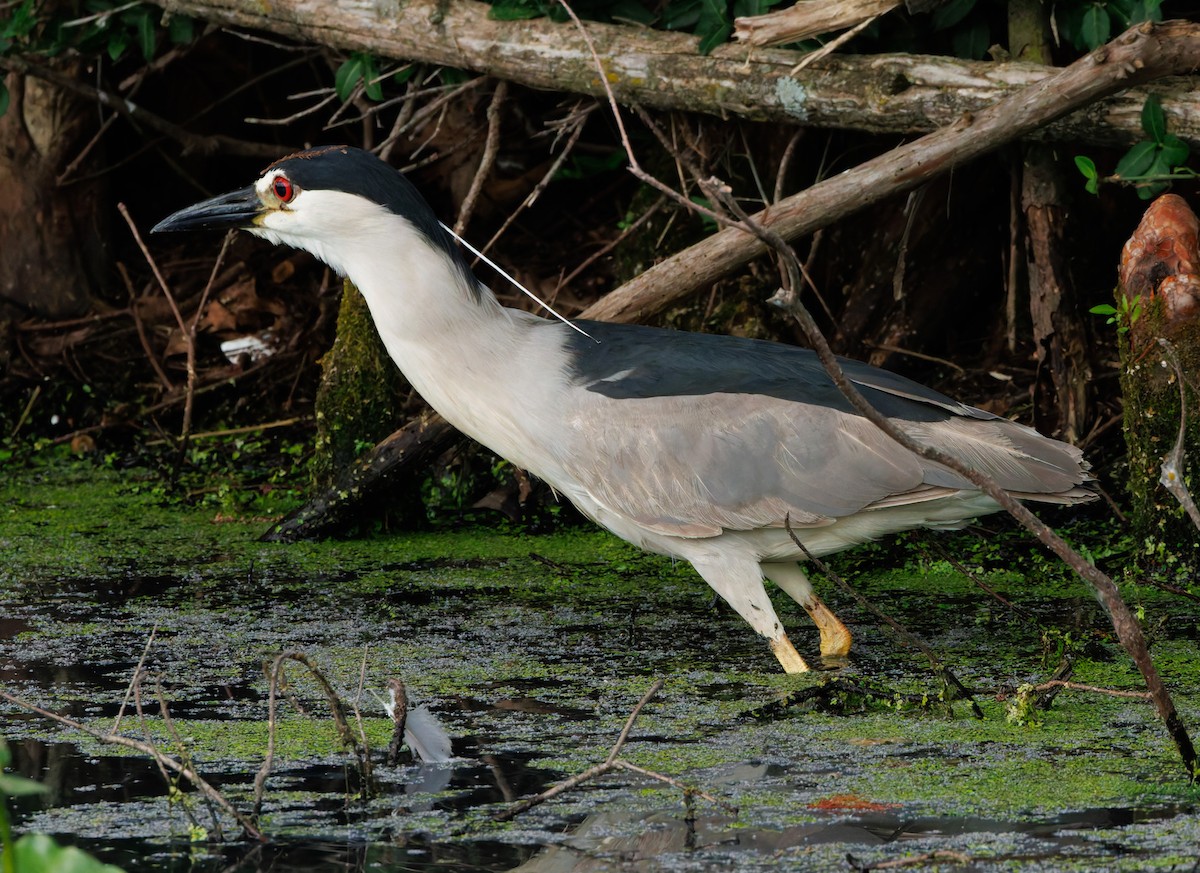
{"x": 691, "y": 435}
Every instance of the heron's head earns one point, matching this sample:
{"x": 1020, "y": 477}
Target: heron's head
{"x": 337, "y": 202}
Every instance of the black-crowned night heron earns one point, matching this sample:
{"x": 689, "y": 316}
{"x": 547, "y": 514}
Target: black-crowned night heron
{"x": 690, "y": 445}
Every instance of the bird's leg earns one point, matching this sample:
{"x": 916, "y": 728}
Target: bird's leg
{"x": 835, "y": 636}
{"x": 739, "y": 580}
{"x": 788, "y": 657}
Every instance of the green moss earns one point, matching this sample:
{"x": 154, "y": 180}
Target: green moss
{"x": 355, "y": 405}
{"x": 1150, "y": 389}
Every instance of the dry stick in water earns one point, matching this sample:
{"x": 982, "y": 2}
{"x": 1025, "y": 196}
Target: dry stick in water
{"x": 134, "y": 679}
{"x": 611, "y": 763}
{"x": 399, "y": 718}
{"x": 335, "y": 706}
{"x": 146, "y": 749}
{"x": 166, "y": 777}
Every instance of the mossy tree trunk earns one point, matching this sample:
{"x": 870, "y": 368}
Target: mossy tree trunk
{"x": 1159, "y": 298}
{"x": 357, "y": 403}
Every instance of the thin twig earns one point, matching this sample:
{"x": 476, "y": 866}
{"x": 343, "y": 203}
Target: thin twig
{"x": 611, "y": 763}
{"x": 365, "y": 757}
{"x": 1171, "y": 476}
{"x": 1079, "y": 686}
{"x": 133, "y": 679}
{"x": 833, "y": 45}
{"x": 146, "y": 749}
{"x": 335, "y": 705}
{"x": 572, "y": 139}
{"x": 637, "y": 710}
{"x": 622, "y": 764}
{"x": 141, "y": 330}
{"x": 184, "y": 756}
{"x": 491, "y": 148}
{"x": 948, "y": 678}
{"x": 189, "y": 337}
{"x": 611, "y": 244}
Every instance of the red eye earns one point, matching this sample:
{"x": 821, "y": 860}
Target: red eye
{"x": 283, "y": 190}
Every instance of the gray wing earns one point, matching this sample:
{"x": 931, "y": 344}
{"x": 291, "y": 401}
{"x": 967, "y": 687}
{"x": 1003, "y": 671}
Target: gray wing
{"x": 693, "y": 434}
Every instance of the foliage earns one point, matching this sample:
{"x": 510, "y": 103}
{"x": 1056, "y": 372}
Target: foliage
{"x": 36, "y": 853}
{"x": 1125, "y": 316}
{"x": 1088, "y": 25}
{"x": 359, "y": 67}
{"x": 1150, "y": 165}
{"x": 108, "y": 28}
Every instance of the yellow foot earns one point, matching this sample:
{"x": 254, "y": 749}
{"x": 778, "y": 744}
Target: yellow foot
{"x": 835, "y": 636}
{"x": 788, "y": 657}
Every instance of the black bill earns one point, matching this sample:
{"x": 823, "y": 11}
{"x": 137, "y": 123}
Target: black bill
{"x": 235, "y": 209}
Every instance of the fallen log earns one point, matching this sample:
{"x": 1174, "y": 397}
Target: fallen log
{"x": 897, "y": 94}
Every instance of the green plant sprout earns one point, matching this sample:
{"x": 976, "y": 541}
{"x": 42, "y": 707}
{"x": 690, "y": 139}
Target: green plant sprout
{"x": 1124, "y": 315}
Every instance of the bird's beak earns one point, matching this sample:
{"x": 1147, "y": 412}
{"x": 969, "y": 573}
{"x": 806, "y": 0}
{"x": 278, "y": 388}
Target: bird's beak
{"x": 236, "y": 209}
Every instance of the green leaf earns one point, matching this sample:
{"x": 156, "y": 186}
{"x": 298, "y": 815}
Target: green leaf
{"x": 5, "y": 98}
{"x": 118, "y": 41}
{"x": 1175, "y": 151}
{"x": 1145, "y": 10}
{"x": 714, "y": 25}
{"x": 145, "y": 33}
{"x": 681, "y": 14}
{"x": 950, "y": 14}
{"x": 1137, "y": 160}
{"x": 516, "y": 10}
{"x": 372, "y": 87}
{"x": 633, "y": 12}
{"x": 1096, "y": 26}
{"x": 348, "y": 75}
{"x": 181, "y": 30}
{"x": 1103, "y": 309}
{"x": 1154, "y": 122}
{"x": 1086, "y": 166}
{"x": 1150, "y": 190}
{"x": 38, "y": 852}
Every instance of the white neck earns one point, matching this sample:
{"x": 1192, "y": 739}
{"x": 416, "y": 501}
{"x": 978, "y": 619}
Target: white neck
{"x": 470, "y": 357}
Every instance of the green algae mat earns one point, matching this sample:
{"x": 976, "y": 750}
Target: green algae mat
{"x": 531, "y": 652}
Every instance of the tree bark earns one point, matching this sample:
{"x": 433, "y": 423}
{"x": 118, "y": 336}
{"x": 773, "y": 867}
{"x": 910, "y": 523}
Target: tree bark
{"x": 897, "y": 94}
{"x": 807, "y": 18}
{"x": 1158, "y": 297}
{"x": 1060, "y": 341}
{"x": 52, "y": 254}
